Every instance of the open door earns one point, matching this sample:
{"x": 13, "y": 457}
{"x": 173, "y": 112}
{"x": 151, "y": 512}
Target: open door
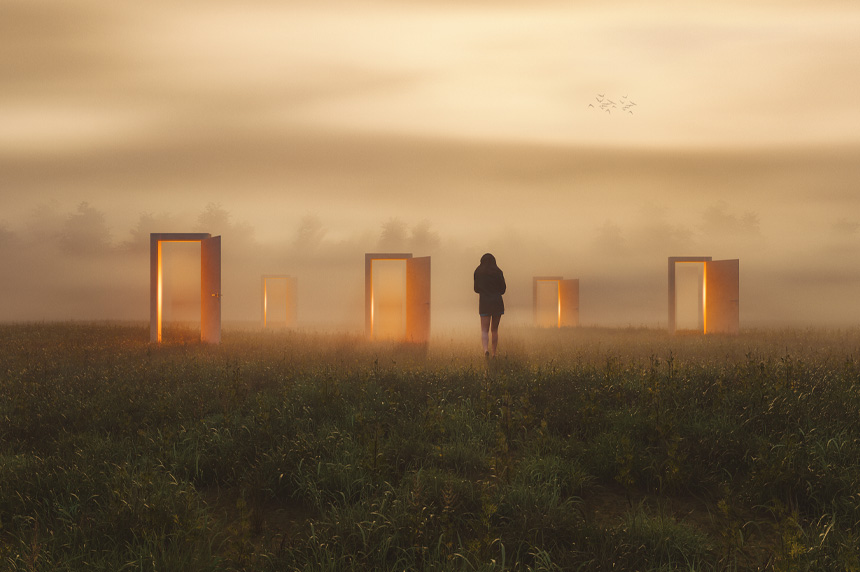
{"x": 546, "y": 301}
{"x": 279, "y": 300}
{"x": 722, "y": 291}
{"x": 568, "y": 301}
{"x": 418, "y": 300}
{"x": 210, "y": 290}
{"x": 694, "y": 309}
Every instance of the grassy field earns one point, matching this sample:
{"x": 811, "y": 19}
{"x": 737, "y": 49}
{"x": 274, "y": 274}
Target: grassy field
{"x": 586, "y": 449}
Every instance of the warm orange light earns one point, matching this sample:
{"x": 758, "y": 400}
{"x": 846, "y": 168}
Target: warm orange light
{"x": 704, "y": 298}
{"x": 265, "y": 303}
{"x": 558, "y": 297}
{"x": 717, "y": 294}
{"x": 544, "y": 309}
{"x": 388, "y": 298}
{"x": 160, "y": 289}
{"x": 408, "y": 295}
{"x": 287, "y": 295}
{"x": 210, "y": 279}
{"x": 161, "y": 284}
{"x": 704, "y": 313}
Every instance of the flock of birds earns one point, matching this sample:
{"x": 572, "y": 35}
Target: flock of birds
{"x": 607, "y": 105}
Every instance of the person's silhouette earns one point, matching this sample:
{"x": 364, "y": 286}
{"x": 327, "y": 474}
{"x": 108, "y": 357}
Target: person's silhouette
{"x": 490, "y": 285}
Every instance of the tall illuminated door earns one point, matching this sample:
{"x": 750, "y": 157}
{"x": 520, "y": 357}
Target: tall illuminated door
{"x": 279, "y": 299}
{"x": 210, "y": 283}
{"x": 418, "y": 300}
{"x": 555, "y": 301}
{"x": 568, "y": 302}
{"x": 210, "y": 290}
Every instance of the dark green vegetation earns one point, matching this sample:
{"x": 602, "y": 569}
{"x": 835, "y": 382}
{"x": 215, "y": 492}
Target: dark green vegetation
{"x": 576, "y": 450}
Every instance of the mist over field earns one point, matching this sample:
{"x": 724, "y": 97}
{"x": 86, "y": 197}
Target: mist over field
{"x": 74, "y": 265}
{"x": 309, "y": 134}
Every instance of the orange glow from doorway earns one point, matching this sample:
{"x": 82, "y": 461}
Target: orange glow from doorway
{"x": 388, "y": 291}
{"x": 704, "y": 290}
{"x": 160, "y": 290}
{"x": 557, "y": 300}
{"x": 284, "y": 293}
{"x": 705, "y": 297}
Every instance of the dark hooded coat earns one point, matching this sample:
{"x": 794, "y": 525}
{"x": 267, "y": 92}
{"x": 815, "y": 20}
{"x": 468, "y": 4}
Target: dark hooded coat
{"x": 490, "y": 285}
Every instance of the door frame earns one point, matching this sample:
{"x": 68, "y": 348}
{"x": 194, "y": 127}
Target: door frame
{"x": 720, "y": 295}
{"x": 156, "y": 279}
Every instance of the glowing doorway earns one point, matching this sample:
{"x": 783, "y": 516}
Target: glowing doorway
{"x": 280, "y": 300}
{"x": 388, "y": 297}
{"x": 704, "y": 294}
{"x": 180, "y": 287}
{"x": 555, "y": 301}
{"x": 210, "y": 284}
{"x": 397, "y": 297}
{"x": 690, "y": 296}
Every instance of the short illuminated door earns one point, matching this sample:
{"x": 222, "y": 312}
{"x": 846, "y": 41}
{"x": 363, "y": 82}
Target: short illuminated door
{"x": 555, "y": 301}
{"x": 722, "y": 291}
{"x": 546, "y": 292}
{"x": 418, "y": 299}
{"x": 687, "y": 292}
{"x": 279, "y": 300}
{"x": 568, "y": 302}
{"x": 210, "y": 290}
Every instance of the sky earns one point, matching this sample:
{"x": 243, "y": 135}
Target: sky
{"x": 309, "y": 133}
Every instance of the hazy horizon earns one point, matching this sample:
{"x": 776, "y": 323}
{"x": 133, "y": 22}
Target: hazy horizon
{"x": 307, "y": 134}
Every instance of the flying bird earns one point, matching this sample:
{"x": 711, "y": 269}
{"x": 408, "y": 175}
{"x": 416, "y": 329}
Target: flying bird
{"x": 608, "y": 105}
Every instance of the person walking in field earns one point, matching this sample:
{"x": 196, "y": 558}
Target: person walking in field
{"x": 490, "y": 285}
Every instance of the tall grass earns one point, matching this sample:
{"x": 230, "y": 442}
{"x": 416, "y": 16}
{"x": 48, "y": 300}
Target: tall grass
{"x": 582, "y": 449}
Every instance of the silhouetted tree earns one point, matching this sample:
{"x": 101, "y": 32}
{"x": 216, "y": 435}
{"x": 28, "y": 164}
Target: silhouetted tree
{"x": 216, "y": 220}
{"x": 393, "y": 236}
{"x": 719, "y": 220}
{"x": 147, "y": 224}
{"x": 310, "y": 234}
{"x": 85, "y": 232}
{"x": 423, "y": 239}
{"x": 44, "y": 223}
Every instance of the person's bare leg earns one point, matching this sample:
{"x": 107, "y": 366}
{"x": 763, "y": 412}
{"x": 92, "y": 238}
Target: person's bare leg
{"x": 485, "y": 332}
{"x": 495, "y": 328}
